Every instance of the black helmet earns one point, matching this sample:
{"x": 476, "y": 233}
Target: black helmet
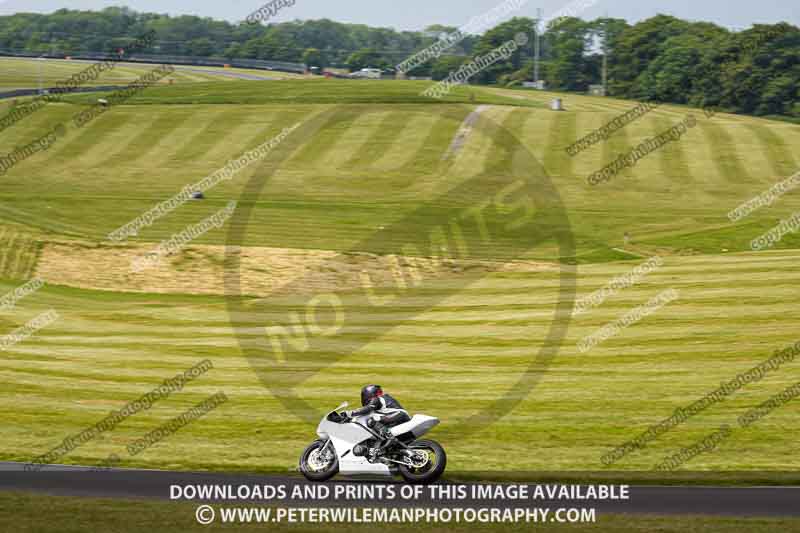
{"x": 369, "y": 393}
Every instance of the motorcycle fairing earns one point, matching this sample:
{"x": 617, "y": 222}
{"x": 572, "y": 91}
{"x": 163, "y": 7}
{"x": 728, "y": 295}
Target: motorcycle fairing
{"x": 344, "y": 438}
{"x": 418, "y": 426}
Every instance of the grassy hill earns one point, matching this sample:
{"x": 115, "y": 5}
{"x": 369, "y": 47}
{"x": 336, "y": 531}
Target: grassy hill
{"x": 25, "y": 73}
{"x": 369, "y": 157}
{"x": 381, "y": 155}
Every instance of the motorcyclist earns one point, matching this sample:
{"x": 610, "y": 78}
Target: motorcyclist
{"x": 374, "y": 400}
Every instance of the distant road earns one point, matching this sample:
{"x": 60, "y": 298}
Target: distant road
{"x": 132, "y": 483}
{"x": 210, "y": 70}
{"x": 239, "y": 75}
{"x": 16, "y": 93}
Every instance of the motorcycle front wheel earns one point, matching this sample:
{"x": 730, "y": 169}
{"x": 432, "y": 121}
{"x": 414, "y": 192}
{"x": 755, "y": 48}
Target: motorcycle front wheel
{"x": 318, "y": 462}
{"x": 431, "y": 461}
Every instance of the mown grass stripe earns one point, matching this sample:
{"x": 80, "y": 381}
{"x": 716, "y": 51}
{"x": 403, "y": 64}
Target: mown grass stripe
{"x": 324, "y": 141}
{"x": 497, "y": 157}
{"x": 725, "y": 152}
{"x": 408, "y": 135}
{"x": 213, "y": 132}
{"x": 149, "y": 137}
{"x": 615, "y": 146}
{"x": 19, "y": 254}
{"x": 26, "y": 257}
{"x": 672, "y": 157}
{"x": 536, "y": 131}
{"x": 563, "y": 132}
{"x": 7, "y": 251}
{"x": 427, "y": 156}
{"x": 229, "y": 143}
{"x": 184, "y": 140}
{"x": 80, "y": 141}
{"x": 382, "y": 140}
{"x": 269, "y": 130}
{"x": 590, "y": 159}
{"x": 779, "y": 154}
{"x": 355, "y": 142}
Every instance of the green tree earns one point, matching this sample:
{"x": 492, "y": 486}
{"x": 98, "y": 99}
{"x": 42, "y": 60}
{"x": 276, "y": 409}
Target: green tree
{"x": 445, "y": 65}
{"x": 638, "y": 46}
{"x": 313, "y": 58}
{"x": 501, "y": 35}
{"x": 755, "y": 71}
{"x": 670, "y": 76}
{"x": 365, "y": 58}
{"x": 568, "y": 42}
{"x": 606, "y": 33}
{"x": 200, "y": 47}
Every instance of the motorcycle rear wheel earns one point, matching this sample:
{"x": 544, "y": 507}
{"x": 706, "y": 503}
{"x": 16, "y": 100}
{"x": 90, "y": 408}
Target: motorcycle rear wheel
{"x": 432, "y": 470}
{"x": 314, "y": 467}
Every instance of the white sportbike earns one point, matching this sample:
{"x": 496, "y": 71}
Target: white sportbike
{"x": 351, "y": 446}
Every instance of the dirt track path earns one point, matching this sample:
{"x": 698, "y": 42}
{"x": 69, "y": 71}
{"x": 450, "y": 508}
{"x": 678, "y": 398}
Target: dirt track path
{"x": 463, "y": 132}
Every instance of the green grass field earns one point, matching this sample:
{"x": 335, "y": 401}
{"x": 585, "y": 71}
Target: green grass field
{"x": 24, "y": 73}
{"x": 447, "y": 349}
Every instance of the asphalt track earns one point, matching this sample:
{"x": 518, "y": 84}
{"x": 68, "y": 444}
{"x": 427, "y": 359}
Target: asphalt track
{"x": 207, "y": 70}
{"x": 660, "y": 500}
{"x": 238, "y": 75}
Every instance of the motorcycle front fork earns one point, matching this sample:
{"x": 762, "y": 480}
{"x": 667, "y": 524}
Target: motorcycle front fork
{"x": 322, "y": 450}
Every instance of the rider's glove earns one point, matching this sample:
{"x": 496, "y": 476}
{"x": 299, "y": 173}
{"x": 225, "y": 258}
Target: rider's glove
{"x": 348, "y": 414}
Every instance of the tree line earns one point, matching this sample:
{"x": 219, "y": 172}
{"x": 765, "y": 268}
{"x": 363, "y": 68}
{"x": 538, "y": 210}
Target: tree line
{"x": 664, "y": 59}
